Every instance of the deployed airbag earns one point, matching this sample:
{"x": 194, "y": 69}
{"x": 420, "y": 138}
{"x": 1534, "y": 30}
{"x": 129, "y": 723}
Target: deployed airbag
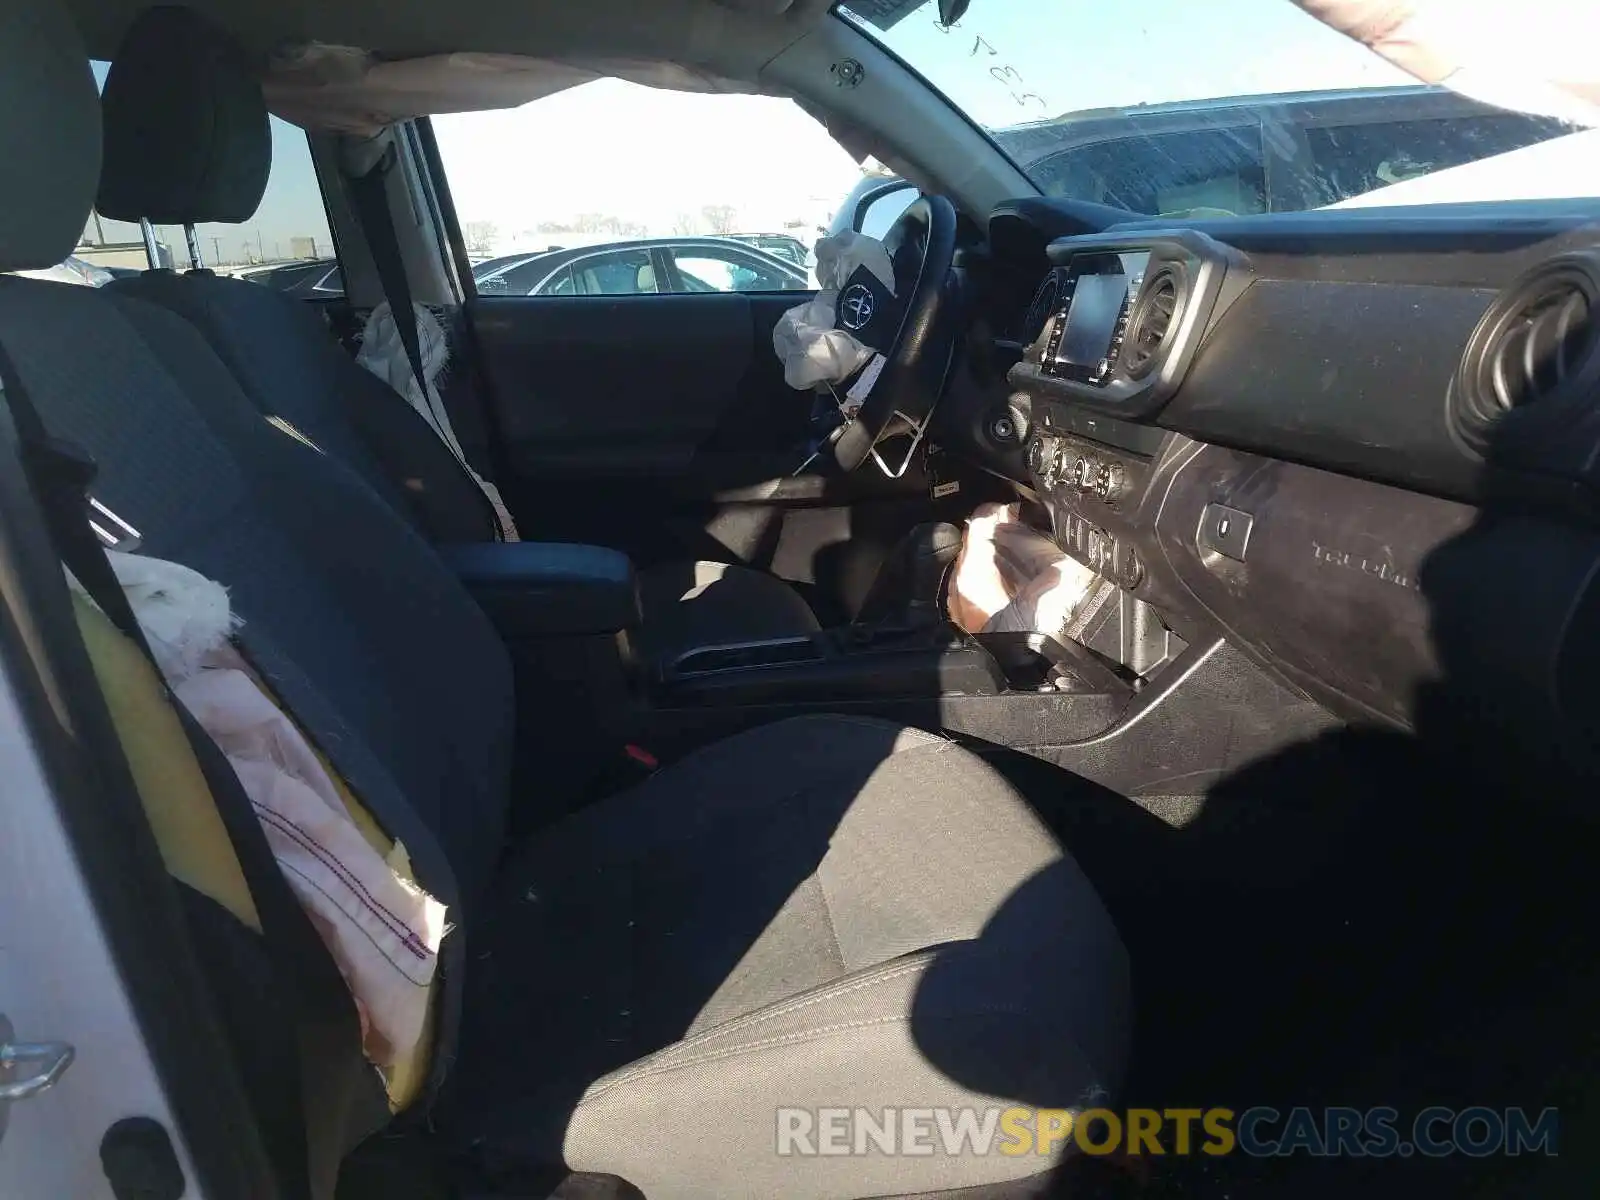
{"x": 1534, "y": 56}
{"x": 808, "y": 339}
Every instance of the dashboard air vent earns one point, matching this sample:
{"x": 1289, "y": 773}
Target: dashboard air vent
{"x": 1042, "y": 308}
{"x": 1538, "y": 344}
{"x": 1155, "y": 315}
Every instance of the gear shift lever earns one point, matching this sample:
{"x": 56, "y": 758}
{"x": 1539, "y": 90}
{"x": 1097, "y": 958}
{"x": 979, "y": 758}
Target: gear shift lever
{"x": 908, "y": 593}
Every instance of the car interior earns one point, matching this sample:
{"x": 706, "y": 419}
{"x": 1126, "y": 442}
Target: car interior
{"x": 726, "y": 814}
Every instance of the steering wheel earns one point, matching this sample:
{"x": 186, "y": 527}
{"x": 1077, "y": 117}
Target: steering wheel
{"x": 922, "y": 246}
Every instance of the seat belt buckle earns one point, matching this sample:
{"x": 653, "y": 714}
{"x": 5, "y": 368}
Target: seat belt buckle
{"x": 642, "y": 758}
{"x": 629, "y": 769}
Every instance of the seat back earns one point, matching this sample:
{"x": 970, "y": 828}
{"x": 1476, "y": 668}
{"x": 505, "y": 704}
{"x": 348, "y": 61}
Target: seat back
{"x": 187, "y": 140}
{"x": 349, "y": 616}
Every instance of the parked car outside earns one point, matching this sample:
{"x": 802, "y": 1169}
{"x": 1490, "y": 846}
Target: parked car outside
{"x": 784, "y": 245}
{"x": 641, "y": 267}
{"x": 319, "y": 277}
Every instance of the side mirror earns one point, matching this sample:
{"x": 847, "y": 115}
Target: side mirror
{"x": 880, "y": 208}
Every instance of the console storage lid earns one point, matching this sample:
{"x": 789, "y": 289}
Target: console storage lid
{"x": 548, "y": 589}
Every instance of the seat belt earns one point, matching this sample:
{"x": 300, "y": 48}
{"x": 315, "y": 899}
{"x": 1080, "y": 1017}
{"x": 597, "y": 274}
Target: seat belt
{"x": 335, "y": 1088}
{"x": 370, "y": 197}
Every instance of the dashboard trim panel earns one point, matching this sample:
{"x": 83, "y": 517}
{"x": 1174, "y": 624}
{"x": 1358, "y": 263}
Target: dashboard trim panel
{"x": 1203, "y": 266}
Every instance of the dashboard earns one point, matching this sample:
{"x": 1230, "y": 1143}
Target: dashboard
{"x": 1363, "y": 447}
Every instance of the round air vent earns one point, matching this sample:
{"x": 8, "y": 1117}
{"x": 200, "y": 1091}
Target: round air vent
{"x": 1538, "y": 344}
{"x": 1042, "y": 308}
{"x": 1151, "y": 325}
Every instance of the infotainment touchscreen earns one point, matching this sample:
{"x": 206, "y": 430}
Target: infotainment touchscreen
{"x": 1092, "y": 319}
{"x": 1097, "y": 293}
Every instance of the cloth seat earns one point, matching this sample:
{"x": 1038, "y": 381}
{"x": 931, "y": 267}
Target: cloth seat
{"x": 828, "y": 910}
{"x": 821, "y": 912}
{"x": 186, "y": 141}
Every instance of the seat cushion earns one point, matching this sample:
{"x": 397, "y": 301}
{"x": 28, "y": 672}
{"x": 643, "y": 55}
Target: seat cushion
{"x": 826, "y": 911}
{"x": 691, "y": 604}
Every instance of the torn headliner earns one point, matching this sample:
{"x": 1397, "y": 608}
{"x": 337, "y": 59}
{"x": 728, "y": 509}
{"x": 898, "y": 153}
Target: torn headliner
{"x": 729, "y": 37}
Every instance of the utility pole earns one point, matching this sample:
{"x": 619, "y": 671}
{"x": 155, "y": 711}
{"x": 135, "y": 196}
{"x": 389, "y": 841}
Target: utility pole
{"x": 216, "y": 249}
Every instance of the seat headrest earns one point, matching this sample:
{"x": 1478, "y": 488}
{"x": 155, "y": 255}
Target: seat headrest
{"x": 49, "y": 134}
{"x": 186, "y": 133}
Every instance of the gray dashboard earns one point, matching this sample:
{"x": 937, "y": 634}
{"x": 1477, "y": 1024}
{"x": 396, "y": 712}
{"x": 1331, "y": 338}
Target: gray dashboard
{"x": 1361, "y": 447}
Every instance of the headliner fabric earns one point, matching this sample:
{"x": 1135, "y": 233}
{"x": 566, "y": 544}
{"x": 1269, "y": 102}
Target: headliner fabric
{"x": 49, "y": 135}
{"x": 344, "y": 89}
{"x": 186, "y": 133}
{"x": 824, "y": 911}
{"x": 690, "y": 604}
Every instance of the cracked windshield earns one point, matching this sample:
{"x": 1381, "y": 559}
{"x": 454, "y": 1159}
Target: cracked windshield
{"x": 1228, "y": 108}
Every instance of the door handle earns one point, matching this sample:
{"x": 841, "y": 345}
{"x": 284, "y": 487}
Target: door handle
{"x": 27, "y": 1068}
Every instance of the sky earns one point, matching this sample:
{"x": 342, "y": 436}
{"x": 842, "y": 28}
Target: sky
{"x": 1009, "y": 61}
{"x": 656, "y": 159}
{"x": 645, "y": 156}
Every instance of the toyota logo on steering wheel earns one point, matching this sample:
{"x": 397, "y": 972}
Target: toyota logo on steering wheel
{"x": 855, "y": 306}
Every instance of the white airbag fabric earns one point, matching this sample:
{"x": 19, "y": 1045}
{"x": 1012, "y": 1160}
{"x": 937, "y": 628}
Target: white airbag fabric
{"x": 382, "y": 931}
{"x": 1535, "y": 56}
{"x": 812, "y": 351}
{"x": 384, "y": 354}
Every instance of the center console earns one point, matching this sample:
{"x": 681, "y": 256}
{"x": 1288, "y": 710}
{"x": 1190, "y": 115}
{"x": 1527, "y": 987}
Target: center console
{"x": 1008, "y": 689}
{"x": 1085, "y": 485}
{"x": 849, "y": 663}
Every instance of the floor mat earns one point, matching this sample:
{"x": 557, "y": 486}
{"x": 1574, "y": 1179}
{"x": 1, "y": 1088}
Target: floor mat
{"x": 1349, "y": 925}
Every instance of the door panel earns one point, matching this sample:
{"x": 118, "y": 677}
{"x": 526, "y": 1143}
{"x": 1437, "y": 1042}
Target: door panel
{"x": 662, "y": 425}
{"x": 616, "y": 385}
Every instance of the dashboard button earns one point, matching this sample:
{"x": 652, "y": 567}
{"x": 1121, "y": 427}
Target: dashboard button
{"x": 1130, "y": 571}
{"x": 1095, "y": 551}
{"x": 1226, "y": 531}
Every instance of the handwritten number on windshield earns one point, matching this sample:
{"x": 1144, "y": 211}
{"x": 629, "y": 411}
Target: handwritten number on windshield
{"x": 1005, "y": 75}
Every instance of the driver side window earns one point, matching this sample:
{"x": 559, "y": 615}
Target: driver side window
{"x": 677, "y": 192}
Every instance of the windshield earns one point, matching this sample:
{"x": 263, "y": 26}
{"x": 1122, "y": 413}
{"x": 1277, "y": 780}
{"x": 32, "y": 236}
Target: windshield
{"x": 1227, "y": 108}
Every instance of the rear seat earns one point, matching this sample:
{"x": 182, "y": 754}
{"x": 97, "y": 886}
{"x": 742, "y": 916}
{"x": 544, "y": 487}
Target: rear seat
{"x": 824, "y": 911}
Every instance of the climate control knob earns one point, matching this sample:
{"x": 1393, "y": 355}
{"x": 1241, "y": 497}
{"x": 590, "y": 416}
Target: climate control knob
{"x": 1085, "y": 473}
{"x": 1039, "y": 457}
{"x": 1109, "y": 482}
